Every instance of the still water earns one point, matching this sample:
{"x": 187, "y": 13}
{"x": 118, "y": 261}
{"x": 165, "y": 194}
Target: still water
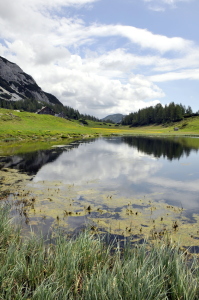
{"x": 135, "y": 186}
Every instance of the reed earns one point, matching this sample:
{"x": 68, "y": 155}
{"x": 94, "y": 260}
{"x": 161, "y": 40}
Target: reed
{"x": 86, "y": 267}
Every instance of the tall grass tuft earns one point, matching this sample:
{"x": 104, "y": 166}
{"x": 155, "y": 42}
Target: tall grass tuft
{"x": 88, "y": 268}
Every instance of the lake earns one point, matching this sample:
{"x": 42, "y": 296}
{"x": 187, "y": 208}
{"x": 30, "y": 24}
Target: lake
{"x": 128, "y": 186}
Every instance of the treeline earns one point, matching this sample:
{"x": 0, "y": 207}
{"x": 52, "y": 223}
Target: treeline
{"x": 158, "y": 115}
{"x": 32, "y": 105}
{"x": 26, "y": 105}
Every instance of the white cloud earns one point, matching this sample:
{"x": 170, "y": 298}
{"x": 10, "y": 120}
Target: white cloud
{"x": 156, "y": 8}
{"x": 92, "y": 92}
{"x": 188, "y": 74}
{"x": 147, "y": 39}
{"x": 58, "y": 3}
{"x": 161, "y": 5}
{"x": 169, "y": 2}
{"x": 20, "y": 21}
{"x": 55, "y": 50}
{"x": 141, "y": 37}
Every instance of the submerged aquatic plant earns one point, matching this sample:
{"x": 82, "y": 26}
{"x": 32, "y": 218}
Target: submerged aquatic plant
{"x": 86, "y": 267}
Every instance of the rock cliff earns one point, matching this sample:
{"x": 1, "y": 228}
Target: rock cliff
{"x": 17, "y": 85}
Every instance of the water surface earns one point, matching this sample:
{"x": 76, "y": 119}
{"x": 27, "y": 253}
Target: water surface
{"x": 123, "y": 185}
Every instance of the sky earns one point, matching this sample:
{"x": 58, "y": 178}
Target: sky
{"x": 106, "y": 56}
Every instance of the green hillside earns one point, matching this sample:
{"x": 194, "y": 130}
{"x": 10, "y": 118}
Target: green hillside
{"x": 15, "y": 125}
{"x": 40, "y": 131}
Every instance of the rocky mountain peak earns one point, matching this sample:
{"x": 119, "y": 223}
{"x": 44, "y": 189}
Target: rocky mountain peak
{"x": 16, "y": 85}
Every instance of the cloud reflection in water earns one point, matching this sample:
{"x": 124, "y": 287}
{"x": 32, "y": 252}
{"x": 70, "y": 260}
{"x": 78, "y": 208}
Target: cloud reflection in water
{"x": 117, "y": 165}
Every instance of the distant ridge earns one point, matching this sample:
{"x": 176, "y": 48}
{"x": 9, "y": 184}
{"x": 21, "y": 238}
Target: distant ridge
{"x": 17, "y": 85}
{"x": 116, "y": 118}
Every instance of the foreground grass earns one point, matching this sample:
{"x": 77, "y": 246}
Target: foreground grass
{"x": 87, "y": 268}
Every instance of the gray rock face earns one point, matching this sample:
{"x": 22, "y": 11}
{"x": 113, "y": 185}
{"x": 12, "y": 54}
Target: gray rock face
{"x": 17, "y": 85}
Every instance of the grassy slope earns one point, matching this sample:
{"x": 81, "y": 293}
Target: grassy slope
{"x": 24, "y": 132}
{"x": 16, "y": 127}
{"x": 23, "y": 124}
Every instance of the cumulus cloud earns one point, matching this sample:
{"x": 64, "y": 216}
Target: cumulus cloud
{"x": 92, "y": 92}
{"x": 55, "y": 50}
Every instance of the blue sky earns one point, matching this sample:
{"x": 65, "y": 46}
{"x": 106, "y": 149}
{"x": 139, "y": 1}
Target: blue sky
{"x": 106, "y": 56}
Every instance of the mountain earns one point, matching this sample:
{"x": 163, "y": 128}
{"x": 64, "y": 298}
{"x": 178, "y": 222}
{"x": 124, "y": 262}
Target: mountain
{"x": 116, "y": 118}
{"x": 17, "y": 85}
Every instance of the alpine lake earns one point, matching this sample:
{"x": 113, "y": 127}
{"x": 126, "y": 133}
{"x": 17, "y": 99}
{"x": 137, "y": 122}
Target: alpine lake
{"x": 131, "y": 187}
